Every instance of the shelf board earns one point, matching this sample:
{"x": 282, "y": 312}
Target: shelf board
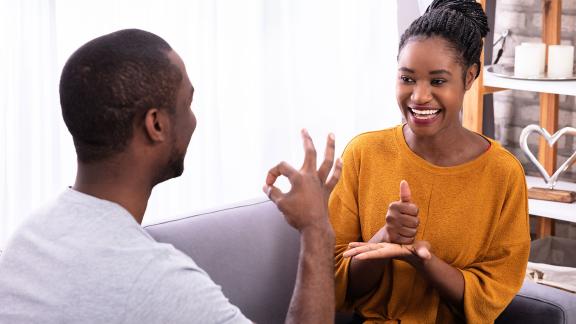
{"x": 551, "y": 209}
{"x": 556, "y": 87}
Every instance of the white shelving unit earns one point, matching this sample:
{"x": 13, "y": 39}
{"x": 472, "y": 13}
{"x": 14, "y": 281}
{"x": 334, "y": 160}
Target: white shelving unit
{"x": 554, "y": 87}
{"x": 550, "y": 209}
{"x": 549, "y": 91}
{"x": 542, "y": 208}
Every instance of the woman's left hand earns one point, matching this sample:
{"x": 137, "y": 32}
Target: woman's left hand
{"x": 419, "y": 251}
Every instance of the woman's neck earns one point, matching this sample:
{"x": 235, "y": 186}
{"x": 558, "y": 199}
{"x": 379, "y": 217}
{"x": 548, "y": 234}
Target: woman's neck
{"x": 449, "y": 147}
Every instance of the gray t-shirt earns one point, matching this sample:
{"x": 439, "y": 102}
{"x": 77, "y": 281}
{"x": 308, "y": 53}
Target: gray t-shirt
{"x": 86, "y": 260}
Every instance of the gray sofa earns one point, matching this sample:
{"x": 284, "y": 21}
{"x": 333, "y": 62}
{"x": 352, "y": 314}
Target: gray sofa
{"x": 250, "y": 251}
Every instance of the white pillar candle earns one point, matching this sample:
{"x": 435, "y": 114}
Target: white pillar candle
{"x": 529, "y": 59}
{"x": 540, "y": 57}
{"x": 560, "y": 61}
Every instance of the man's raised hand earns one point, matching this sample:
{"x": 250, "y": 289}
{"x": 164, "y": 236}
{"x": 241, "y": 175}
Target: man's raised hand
{"x": 306, "y": 204}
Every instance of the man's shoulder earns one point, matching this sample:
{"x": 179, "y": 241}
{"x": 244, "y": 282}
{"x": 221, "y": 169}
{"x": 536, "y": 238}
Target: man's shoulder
{"x": 84, "y": 238}
{"x": 78, "y": 221}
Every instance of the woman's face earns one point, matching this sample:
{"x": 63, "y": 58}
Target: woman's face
{"x": 430, "y": 87}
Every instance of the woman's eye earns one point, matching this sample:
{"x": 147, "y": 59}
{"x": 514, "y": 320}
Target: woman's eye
{"x": 406, "y": 79}
{"x": 438, "y": 82}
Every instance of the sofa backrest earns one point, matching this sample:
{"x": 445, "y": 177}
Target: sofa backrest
{"x": 248, "y": 249}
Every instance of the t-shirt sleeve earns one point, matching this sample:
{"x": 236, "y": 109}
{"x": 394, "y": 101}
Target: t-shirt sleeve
{"x": 343, "y": 209}
{"x": 492, "y": 281}
{"x": 173, "y": 289}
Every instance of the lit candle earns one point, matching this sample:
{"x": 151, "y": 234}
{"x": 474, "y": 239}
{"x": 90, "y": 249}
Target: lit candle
{"x": 530, "y": 60}
{"x": 560, "y": 61}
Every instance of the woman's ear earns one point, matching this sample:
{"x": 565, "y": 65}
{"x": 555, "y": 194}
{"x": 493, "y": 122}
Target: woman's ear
{"x": 471, "y": 73}
{"x": 156, "y": 124}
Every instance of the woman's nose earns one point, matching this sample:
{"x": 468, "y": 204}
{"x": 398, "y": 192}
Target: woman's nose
{"x": 421, "y": 93}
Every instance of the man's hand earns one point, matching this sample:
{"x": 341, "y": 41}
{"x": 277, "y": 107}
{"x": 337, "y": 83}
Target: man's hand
{"x": 305, "y": 207}
{"x": 401, "y": 220}
{"x": 306, "y": 204}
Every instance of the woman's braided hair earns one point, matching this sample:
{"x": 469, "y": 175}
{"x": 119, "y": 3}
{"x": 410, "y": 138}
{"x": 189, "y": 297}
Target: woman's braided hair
{"x": 462, "y": 23}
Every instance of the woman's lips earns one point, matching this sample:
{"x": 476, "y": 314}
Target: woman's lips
{"x": 424, "y": 115}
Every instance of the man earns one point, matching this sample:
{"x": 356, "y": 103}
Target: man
{"x": 126, "y": 99}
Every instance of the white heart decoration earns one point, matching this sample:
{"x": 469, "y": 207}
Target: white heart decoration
{"x": 551, "y": 139}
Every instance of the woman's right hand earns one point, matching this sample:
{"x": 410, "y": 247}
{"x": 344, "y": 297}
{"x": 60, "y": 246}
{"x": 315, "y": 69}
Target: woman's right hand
{"x": 401, "y": 220}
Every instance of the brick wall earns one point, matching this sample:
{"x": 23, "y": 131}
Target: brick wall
{"x": 513, "y": 110}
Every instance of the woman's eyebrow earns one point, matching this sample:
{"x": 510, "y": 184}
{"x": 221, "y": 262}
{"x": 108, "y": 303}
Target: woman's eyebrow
{"x": 435, "y": 72}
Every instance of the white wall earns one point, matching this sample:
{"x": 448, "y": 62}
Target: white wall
{"x": 262, "y": 69}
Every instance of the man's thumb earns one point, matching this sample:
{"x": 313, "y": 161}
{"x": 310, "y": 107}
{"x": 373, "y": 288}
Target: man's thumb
{"x": 405, "y": 194}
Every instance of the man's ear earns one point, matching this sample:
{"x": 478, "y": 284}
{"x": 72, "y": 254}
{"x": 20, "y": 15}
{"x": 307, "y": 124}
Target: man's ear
{"x": 156, "y": 123}
{"x": 470, "y": 76}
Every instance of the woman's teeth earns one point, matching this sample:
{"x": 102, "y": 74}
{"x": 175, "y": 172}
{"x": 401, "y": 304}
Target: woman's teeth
{"x": 425, "y": 114}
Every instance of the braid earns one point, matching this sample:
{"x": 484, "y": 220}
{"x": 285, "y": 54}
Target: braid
{"x": 462, "y": 23}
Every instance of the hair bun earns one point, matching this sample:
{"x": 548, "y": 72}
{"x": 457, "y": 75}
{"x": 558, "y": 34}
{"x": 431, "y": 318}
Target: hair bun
{"x": 469, "y": 8}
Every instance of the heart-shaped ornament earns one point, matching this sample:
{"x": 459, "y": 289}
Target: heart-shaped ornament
{"x": 551, "y": 139}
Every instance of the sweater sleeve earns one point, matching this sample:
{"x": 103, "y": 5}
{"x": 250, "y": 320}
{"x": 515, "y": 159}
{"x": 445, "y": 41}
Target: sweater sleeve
{"x": 343, "y": 209}
{"x": 492, "y": 281}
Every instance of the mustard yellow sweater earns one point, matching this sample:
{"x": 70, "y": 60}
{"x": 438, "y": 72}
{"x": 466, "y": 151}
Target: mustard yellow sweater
{"x": 475, "y": 216}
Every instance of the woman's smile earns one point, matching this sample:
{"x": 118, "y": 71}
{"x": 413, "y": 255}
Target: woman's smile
{"x": 422, "y": 115}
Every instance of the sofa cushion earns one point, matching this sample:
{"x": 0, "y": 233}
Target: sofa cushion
{"x": 247, "y": 248}
{"x": 250, "y": 251}
{"x": 537, "y": 303}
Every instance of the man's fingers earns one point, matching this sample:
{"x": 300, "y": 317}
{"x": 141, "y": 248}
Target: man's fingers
{"x": 309, "y": 152}
{"x": 281, "y": 168}
{"x": 331, "y": 183}
{"x": 273, "y": 193}
{"x": 405, "y": 194}
{"x": 328, "y": 159}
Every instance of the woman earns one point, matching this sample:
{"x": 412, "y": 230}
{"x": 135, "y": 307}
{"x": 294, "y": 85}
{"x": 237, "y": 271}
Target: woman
{"x": 451, "y": 244}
